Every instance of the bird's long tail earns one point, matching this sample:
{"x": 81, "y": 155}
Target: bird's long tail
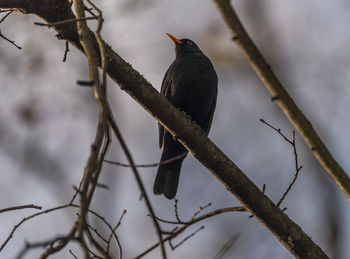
{"x": 168, "y": 174}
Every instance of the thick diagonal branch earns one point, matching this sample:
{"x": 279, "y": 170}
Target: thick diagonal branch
{"x": 190, "y": 135}
{"x": 281, "y": 96}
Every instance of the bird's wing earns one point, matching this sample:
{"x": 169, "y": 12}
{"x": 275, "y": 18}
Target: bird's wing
{"x": 208, "y": 121}
{"x": 164, "y": 90}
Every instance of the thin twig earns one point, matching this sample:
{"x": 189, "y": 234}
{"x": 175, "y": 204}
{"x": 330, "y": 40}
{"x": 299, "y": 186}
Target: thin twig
{"x": 6, "y": 15}
{"x": 88, "y": 83}
{"x": 113, "y": 233}
{"x": 167, "y": 161}
{"x": 11, "y": 41}
{"x": 226, "y": 247}
{"x": 139, "y": 182}
{"x": 61, "y": 244}
{"x": 173, "y": 247}
{"x": 65, "y": 52}
{"x": 30, "y": 206}
{"x": 176, "y": 212}
{"x": 278, "y": 131}
{"x": 101, "y": 218}
{"x": 200, "y": 210}
{"x": 96, "y": 244}
{"x": 103, "y": 186}
{"x": 45, "y": 243}
{"x": 89, "y": 10}
{"x": 297, "y": 167}
{"x": 71, "y": 252}
{"x": 93, "y": 254}
{"x": 70, "y": 204}
{"x": 28, "y": 218}
{"x": 51, "y": 24}
{"x": 99, "y": 17}
{"x": 297, "y": 170}
{"x": 97, "y": 233}
{"x": 189, "y": 223}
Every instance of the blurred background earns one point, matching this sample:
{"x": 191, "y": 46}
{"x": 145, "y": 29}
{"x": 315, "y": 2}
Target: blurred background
{"x": 47, "y": 124}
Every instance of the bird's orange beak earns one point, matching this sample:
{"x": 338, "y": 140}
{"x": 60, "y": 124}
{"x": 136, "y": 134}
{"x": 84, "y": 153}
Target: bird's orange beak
{"x": 176, "y": 41}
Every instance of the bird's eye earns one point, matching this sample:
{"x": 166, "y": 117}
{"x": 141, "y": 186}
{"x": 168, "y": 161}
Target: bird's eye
{"x": 189, "y": 43}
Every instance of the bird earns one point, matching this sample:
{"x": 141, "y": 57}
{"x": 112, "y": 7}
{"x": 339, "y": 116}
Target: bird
{"x": 190, "y": 84}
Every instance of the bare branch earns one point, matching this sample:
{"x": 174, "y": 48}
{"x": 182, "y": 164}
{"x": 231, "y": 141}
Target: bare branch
{"x": 200, "y": 210}
{"x": 30, "y": 206}
{"x": 139, "y": 181}
{"x": 176, "y": 211}
{"x": 97, "y": 244}
{"x": 278, "y": 131}
{"x": 297, "y": 167}
{"x": 297, "y": 170}
{"x": 6, "y": 15}
{"x": 28, "y": 218}
{"x": 66, "y": 52}
{"x": 106, "y": 223}
{"x": 281, "y": 96}
{"x": 102, "y": 139}
{"x": 227, "y": 246}
{"x": 97, "y": 233}
{"x": 11, "y": 41}
{"x": 85, "y": 83}
{"x": 178, "y": 231}
{"x": 51, "y": 24}
{"x": 167, "y": 161}
{"x": 113, "y": 233}
{"x": 71, "y": 252}
{"x": 50, "y": 243}
{"x": 173, "y": 247}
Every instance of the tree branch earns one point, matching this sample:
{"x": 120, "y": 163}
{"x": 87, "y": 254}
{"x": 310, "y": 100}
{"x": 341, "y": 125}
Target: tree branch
{"x": 93, "y": 166}
{"x": 29, "y": 206}
{"x": 87, "y": 40}
{"x": 281, "y": 96}
{"x": 186, "y": 224}
{"x": 296, "y": 163}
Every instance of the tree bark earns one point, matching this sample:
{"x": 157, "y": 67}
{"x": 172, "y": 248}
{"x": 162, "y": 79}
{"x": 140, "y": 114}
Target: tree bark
{"x": 281, "y": 96}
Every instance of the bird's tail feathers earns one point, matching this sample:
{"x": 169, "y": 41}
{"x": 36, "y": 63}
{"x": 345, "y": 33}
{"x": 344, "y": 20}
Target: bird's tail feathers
{"x": 167, "y": 178}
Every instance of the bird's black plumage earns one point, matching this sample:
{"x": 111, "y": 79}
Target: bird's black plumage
{"x": 190, "y": 84}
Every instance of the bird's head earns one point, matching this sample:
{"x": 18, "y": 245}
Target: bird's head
{"x": 184, "y": 45}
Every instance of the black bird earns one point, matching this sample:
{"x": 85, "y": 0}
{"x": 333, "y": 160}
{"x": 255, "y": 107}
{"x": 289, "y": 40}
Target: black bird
{"x": 190, "y": 84}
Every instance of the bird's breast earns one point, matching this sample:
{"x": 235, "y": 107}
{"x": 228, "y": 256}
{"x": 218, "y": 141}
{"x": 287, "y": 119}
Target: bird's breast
{"x": 193, "y": 86}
